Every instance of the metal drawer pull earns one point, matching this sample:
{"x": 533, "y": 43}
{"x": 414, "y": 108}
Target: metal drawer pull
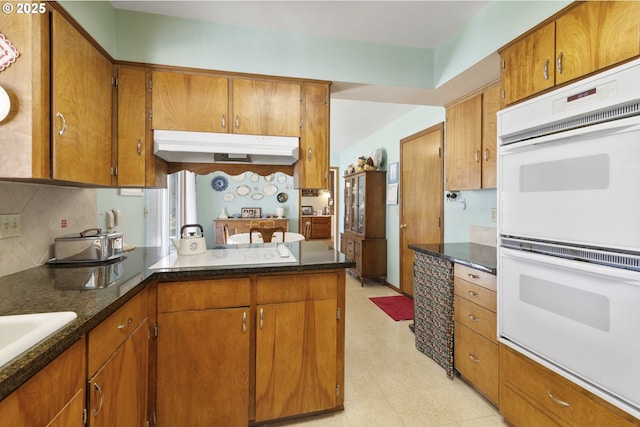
{"x": 97, "y": 387}
{"x": 486, "y": 154}
{"x": 473, "y": 318}
{"x": 558, "y": 401}
{"x": 237, "y": 122}
{"x": 473, "y": 276}
{"x": 244, "y": 322}
{"x": 139, "y": 147}
{"x": 261, "y": 318}
{"x": 125, "y": 324}
{"x": 64, "y": 123}
{"x": 309, "y": 154}
{"x": 473, "y": 294}
{"x": 474, "y": 358}
{"x": 477, "y": 156}
{"x": 223, "y": 122}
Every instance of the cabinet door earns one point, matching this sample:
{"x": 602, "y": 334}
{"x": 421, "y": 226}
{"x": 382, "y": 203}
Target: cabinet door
{"x": 296, "y": 370}
{"x": 190, "y": 102}
{"x": 131, "y": 126}
{"x": 490, "y": 107}
{"x": 463, "y": 144}
{"x": 71, "y": 415}
{"x": 117, "y": 394}
{"x": 81, "y": 107}
{"x": 263, "y": 107}
{"x": 203, "y": 368}
{"x": 312, "y": 168}
{"x": 596, "y": 35}
{"x": 527, "y": 66}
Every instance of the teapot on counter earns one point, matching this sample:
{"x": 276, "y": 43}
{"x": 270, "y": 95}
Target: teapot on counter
{"x": 190, "y": 244}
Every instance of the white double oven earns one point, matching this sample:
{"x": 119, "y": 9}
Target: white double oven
{"x": 569, "y": 232}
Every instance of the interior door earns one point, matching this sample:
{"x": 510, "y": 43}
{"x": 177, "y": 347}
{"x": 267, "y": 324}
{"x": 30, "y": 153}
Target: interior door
{"x": 421, "y": 196}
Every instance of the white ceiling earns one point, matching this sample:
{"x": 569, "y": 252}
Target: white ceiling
{"x": 423, "y": 24}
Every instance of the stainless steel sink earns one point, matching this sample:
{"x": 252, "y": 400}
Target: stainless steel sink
{"x": 18, "y": 333}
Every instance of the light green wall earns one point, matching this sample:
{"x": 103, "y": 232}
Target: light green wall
{"x": 457, "y": 221}
{"x": 388, "y": 139}
{"x": 98, "y": 18}
{"x": 133, "y": 221}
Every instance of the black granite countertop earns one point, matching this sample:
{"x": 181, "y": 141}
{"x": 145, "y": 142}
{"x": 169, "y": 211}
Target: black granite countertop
{"x": 50, "y": 289}
{"x": 477, "y": 256}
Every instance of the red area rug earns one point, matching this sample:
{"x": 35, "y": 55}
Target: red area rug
{"x": 398, "y": 307}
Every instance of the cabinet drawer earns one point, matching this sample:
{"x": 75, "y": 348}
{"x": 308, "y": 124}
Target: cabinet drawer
{"x": 476, "y": 318}
{"x": 203, "y": 294}
{"x": 481, "y": 278}
{"x": 105, "y": 338}
{"x": 475, "y": 293}
{"x": 298, "y": 287}
{"x": 557, "y": 395}
{"x": 476, "y": 358}
{"x": 518, "y": 412}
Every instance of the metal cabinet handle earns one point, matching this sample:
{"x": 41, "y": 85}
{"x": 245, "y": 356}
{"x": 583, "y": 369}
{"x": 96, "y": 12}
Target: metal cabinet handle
{"x": 139, "y": 147}
{"x": 558, "y": 401}
{"x": 237, "y": 122}
{"x": 125, "y": 324}
{"x": 99, "y": 390}
{"x": 309, "y": 154}
{"x": 473, "y": 318}
{"x": 474, "y": 358}
{"x": 473, "y": 276}
{"x": 223, "y": 122}
{"x": 403, "y": 225}
{"x": 244, "y": 322}
{"x": 477, "y": 156}
{"x": 64, "y": 123}
{"x": 545, "y": 71}
{"x": 486, "y": 154}
{"x": 559, "y": 62}
{"x": 261, "y": 318}
{"x": 473, "y": 294}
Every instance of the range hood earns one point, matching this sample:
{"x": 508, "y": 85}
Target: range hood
{"x": 209, "y": 147}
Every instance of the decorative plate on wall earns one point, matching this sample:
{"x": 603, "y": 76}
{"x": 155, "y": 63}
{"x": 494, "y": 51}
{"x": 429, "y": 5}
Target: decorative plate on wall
{"x": 281, "y": 178}
{"x": 243, "y": 190}
{"x": 238, "y": 178}
{"x": 219, "y": 183}
{"x": 228, "y": 197}
{"x": 269, "y": 189}
{"x": 282, "y": 197}
{"x": 257, "y": 196}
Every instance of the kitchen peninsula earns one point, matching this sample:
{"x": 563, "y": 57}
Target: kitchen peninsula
{"x": 272, "y": 333}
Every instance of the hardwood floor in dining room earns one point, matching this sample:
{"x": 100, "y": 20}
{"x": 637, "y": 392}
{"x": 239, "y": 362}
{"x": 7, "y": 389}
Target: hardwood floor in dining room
{"x": 388, "y": 382}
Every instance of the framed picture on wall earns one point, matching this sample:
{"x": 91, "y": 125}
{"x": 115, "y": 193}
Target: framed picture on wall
{"x": 306, "y": 210}
{"x": 310, "y": 192}
{"x": 250, "y": 212}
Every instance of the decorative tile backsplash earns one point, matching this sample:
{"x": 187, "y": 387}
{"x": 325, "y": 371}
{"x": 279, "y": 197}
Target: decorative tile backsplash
{"x": 43, "y": 210}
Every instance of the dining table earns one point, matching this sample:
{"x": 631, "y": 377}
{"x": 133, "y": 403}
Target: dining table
{"x": 240, "y": 238}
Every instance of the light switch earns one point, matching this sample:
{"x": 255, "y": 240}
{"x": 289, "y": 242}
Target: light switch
{"x": 9, "y": 225}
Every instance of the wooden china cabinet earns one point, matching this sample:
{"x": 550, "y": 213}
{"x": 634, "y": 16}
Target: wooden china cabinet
{"x": 363, "y": 239}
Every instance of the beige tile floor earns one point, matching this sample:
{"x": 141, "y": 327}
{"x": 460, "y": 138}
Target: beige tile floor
{"x": 389, "y": 383}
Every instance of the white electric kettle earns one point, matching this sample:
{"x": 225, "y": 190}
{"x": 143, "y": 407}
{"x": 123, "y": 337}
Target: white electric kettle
{"x": 190, "y": 244}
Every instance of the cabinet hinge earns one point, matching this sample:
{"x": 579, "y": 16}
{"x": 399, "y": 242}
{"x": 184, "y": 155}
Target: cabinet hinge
{"x": 301, "y": 124}
{"x": 84, "y": 416}
{"x": 504, "y": 64}
{"x": 439, "y": 222}
{"x": 116, "y": 82}
{"x": 155, "y": 419}
{"x": 337, "y": 390}
{"x": 338, "y": 314}
{"x": 326, "y": 100}
{"x": 440, "y": 152}
{"x": 114, "y": 171}
{"x": 155, "y": 330}
{"x": 150, "y": 115}
{"x": 150, "y": 84}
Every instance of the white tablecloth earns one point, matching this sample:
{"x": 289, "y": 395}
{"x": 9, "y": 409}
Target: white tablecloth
{"x": 236, "y": 239}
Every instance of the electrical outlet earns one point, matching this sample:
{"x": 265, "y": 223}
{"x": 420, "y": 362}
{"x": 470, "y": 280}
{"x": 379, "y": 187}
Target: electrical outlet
{"x": 9, "y": 225}
{"x": 493, "y": 215}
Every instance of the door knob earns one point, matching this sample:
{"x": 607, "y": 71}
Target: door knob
{"x": 403, "y": 225}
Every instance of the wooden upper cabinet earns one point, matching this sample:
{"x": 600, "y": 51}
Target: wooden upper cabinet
{"x": 312, "y": 168}
{"x": 584, "y": 38}
{"x": 190, "y": 102}
{"x": 265, "y": 107}
{"x": 595, "y": 35}
{"x": 82, "y": 89}
{"x": 490, "y": 106}
{"x": 463, "y": 144}
{"x": 131, "y": 126}
{"x": 528, "y": 65}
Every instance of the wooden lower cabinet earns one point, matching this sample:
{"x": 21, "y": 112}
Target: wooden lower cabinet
{"x": 117, "y": 394}
{"x": 118, "y": 366}
{"x": 240, "y": 225}
{"x": 320, "y": 225}
{"x": 299, "y": 355}
{"x": 370, "y": 255}
{"x": 203, "y": 353}
{"x": 532, "y": 395}
{"x": 34, "y": 403}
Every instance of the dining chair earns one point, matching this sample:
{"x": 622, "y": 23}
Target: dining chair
{"x": 267, "y": 233}
{"x": 225, "y": 233}
{"x": 307, "y": 230}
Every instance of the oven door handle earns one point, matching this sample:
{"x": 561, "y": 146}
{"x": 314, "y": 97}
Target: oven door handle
{"x": 600, "y": 130}
{"x": 629, "y": 276}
